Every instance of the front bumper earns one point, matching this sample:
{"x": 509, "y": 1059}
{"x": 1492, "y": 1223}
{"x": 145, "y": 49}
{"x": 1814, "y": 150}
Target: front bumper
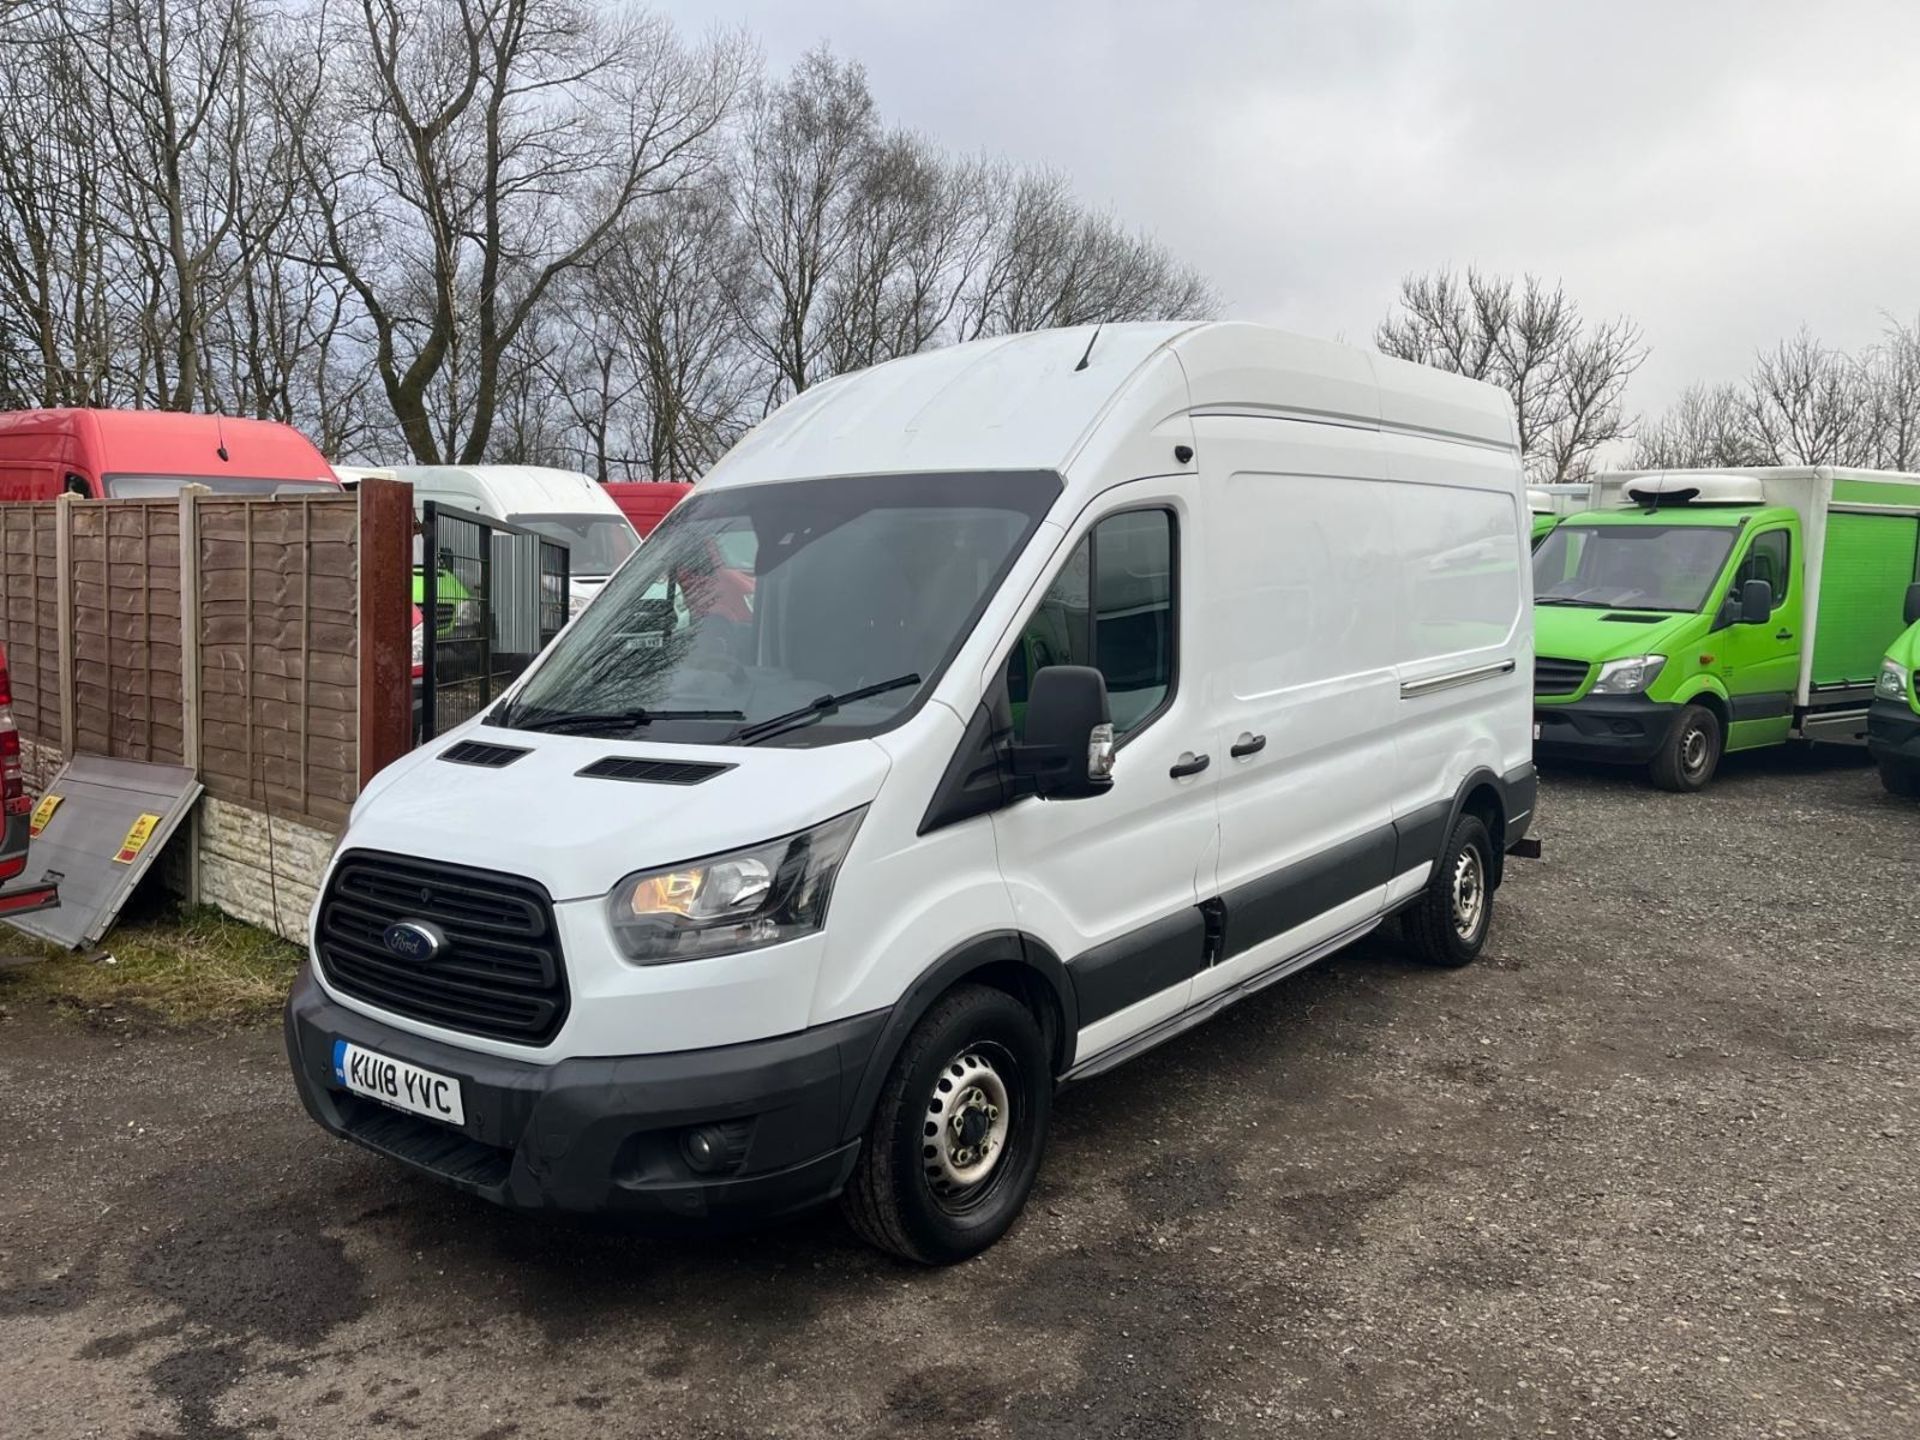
{"x": 1893, "y": 733}
{"x": 1610, "y": 729}
{"x": 603, "y": 1134}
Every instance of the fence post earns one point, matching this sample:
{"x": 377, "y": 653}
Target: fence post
{"x": 190, "y": 667}
{"x": 386, "y": 667}
{"x": 63, "y": 572}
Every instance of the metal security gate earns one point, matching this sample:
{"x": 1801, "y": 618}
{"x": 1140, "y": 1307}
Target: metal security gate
{"x": 491, "y": 596}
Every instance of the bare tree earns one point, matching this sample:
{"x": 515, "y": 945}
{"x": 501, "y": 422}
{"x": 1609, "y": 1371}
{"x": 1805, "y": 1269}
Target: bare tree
{"x": 473, "y": 153}
{"x": 1567, "y": 379}
{"x": 58, "y": 338}
{"x": 1706, "y": 428}
{"x": 1890, "y": 375}
{"x": 809, "y": 144}
{"x": 1806, "y": 404}
{"x": 1051, "y": 262}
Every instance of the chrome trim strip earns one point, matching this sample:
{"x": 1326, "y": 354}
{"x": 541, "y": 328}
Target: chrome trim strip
{"x": 1411, "y": 688}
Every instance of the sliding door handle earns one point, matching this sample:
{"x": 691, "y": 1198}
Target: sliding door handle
{"x": 1247, "y": 745}
{"x": 1783, "y": 634}
{"x": 1189, "y": 764}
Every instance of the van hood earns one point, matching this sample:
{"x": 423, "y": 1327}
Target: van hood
{"x": 537, "y": 816}
{"x": 1566, "y": 632}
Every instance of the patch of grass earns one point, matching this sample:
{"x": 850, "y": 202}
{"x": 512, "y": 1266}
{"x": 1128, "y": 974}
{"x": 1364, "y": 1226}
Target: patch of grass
{"x": 176, "y": 966}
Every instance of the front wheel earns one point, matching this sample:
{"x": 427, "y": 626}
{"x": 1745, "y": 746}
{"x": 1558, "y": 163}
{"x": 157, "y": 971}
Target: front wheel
{"x": 958, "y": 1132}
{"x": 1901, "y": 780}
{"x": 1691, "y": 752}
{"x": 1448, "y": 925}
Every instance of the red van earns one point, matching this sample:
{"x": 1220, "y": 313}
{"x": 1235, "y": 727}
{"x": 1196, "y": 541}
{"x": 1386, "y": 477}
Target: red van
{"x": 645, "y": 503}
{"x": 141, "y": 454}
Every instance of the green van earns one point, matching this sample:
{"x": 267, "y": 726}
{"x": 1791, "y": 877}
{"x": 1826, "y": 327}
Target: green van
{"x": 1893, "y": 721}
{"x": 1691, "y": 613}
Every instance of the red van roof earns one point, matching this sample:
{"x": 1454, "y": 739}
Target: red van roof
{"x": 165, "y": 442}
{"x": 646, "y": 502}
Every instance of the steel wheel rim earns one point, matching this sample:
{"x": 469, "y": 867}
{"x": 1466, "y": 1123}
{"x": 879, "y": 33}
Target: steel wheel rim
{"x": 967, "y": 1127}
{"x": 1469, "y": 893}
{"x": 1693, "y": 749}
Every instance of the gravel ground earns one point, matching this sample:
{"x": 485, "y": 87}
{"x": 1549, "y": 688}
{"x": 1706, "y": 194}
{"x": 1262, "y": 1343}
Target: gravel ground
{"x": 1646, "y": 1170}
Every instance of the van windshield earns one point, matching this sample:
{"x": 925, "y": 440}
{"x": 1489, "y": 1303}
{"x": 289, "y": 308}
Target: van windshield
{"x": 159, "y": 487}
{"x": 750, "y": 603}
{"x": 596, "y": 543}
{"x": 1630, "y": 567}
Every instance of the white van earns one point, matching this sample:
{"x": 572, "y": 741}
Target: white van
{"x": 563, "y": 505}
{"x": 1092, "y": 680}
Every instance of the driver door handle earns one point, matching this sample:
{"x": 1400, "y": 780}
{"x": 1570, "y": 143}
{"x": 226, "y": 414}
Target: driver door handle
{"x": 1247, "y": 745}
{"x": 1189, "y": 764}
{"x": 1783, "y": 634}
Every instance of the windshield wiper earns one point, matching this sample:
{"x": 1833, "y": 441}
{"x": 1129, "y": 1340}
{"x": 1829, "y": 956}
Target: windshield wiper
{"x": 817, "y": 710}
{"x": 1564, "y": 600}
{"x": 566, "y": 720}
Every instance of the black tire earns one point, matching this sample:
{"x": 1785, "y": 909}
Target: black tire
{"x": 895, "y": 1199}
{"x": 1691, "y": 752}
{"x": 1432, "y": 925}
{"x": 1901, "y": 780}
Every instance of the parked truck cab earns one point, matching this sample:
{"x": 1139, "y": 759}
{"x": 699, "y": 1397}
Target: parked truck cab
{"x": 1695, "y": 613}
{"x": 1893, "y": 721}
{"x": 1092, "y": 680}
{"x": 142, "y": 454}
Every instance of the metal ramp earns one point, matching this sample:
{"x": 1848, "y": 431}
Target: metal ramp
{"x": 97, "y": 830}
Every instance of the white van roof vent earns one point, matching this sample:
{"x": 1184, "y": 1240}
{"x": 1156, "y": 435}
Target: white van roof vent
{"x": 1694, "y": 487}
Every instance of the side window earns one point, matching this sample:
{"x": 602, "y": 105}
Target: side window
{"x": 1111, "y": 606}
{"x": 1767, "y": 560}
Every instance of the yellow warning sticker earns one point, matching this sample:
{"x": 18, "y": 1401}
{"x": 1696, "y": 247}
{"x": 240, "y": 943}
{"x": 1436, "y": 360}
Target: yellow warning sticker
{"x": 42, "y": 813}
{"x": 136, "y": 840}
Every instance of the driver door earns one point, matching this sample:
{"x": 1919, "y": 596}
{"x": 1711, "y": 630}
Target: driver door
{"x": 1760, "y": 664}
{"x": 1112, "y": 883}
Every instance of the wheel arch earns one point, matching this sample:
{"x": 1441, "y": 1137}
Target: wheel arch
{"x": 1007, "y": 960}
{"x": 1483, "y": 793}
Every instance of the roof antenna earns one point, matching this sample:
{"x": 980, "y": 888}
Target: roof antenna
{"x": 220, "y": 429}
{"x": 1090, "y": 344}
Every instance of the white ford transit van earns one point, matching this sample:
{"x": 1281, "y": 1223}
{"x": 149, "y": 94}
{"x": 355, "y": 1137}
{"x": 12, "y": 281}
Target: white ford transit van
{"x": 1091, "y": 680}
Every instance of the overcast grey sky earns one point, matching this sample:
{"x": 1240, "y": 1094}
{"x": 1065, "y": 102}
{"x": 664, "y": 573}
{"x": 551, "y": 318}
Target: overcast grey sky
{"x": 1721, "y": 171}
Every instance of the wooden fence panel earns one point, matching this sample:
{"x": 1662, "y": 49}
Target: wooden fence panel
{"x": 280, "y": 653}
{"x": 30, "y": 616}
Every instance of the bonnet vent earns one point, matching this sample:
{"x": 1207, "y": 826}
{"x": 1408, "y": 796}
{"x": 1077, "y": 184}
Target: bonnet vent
{"x": 487, "y": 757}
{"x": 652, "y": 772}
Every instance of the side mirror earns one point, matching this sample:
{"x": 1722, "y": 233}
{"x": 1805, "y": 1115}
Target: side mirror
{"x": 1068, "y": 752}
{"x": 1756, "y": 602}
{"x": 1912, "y": 610}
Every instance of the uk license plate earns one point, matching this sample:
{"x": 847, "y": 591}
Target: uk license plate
{"x": 396, "y": 1083}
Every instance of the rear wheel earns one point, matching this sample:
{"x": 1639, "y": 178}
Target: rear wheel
{"x": 1691, "y": 752}
{"x": 1448, "y": 926}
{"x": 1902, "y": 780}
{"x": 956, "y": 1138}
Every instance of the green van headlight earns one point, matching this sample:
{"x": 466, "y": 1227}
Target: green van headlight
{"x": 1629, "y": 676}
{"x": 1892, "y": 684}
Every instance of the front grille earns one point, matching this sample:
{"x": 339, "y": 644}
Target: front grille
{"x": 501, "y": 973}
{"x": 442, "y": 616}
{"x": 1558, "y": 677}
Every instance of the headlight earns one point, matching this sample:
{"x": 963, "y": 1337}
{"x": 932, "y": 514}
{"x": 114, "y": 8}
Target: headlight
{"x": 728, "y": 903}
{"x": 1892, "y": 684}
{"x": 419, "y": 645}
{"x": 576, "y": 602}
{"x": 1629, "y": 676}
{"x": 466, "y": 615}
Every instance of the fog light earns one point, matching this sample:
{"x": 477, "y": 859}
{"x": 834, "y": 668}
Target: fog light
{"x": 712, "y": 1149}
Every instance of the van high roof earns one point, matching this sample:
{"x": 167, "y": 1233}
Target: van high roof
{"x": 1025, "y": 402}
{"x": 516, "y": 489}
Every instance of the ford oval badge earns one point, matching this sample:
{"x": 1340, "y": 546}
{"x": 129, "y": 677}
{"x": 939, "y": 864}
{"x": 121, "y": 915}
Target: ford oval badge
{"x": 415, "y": 940}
